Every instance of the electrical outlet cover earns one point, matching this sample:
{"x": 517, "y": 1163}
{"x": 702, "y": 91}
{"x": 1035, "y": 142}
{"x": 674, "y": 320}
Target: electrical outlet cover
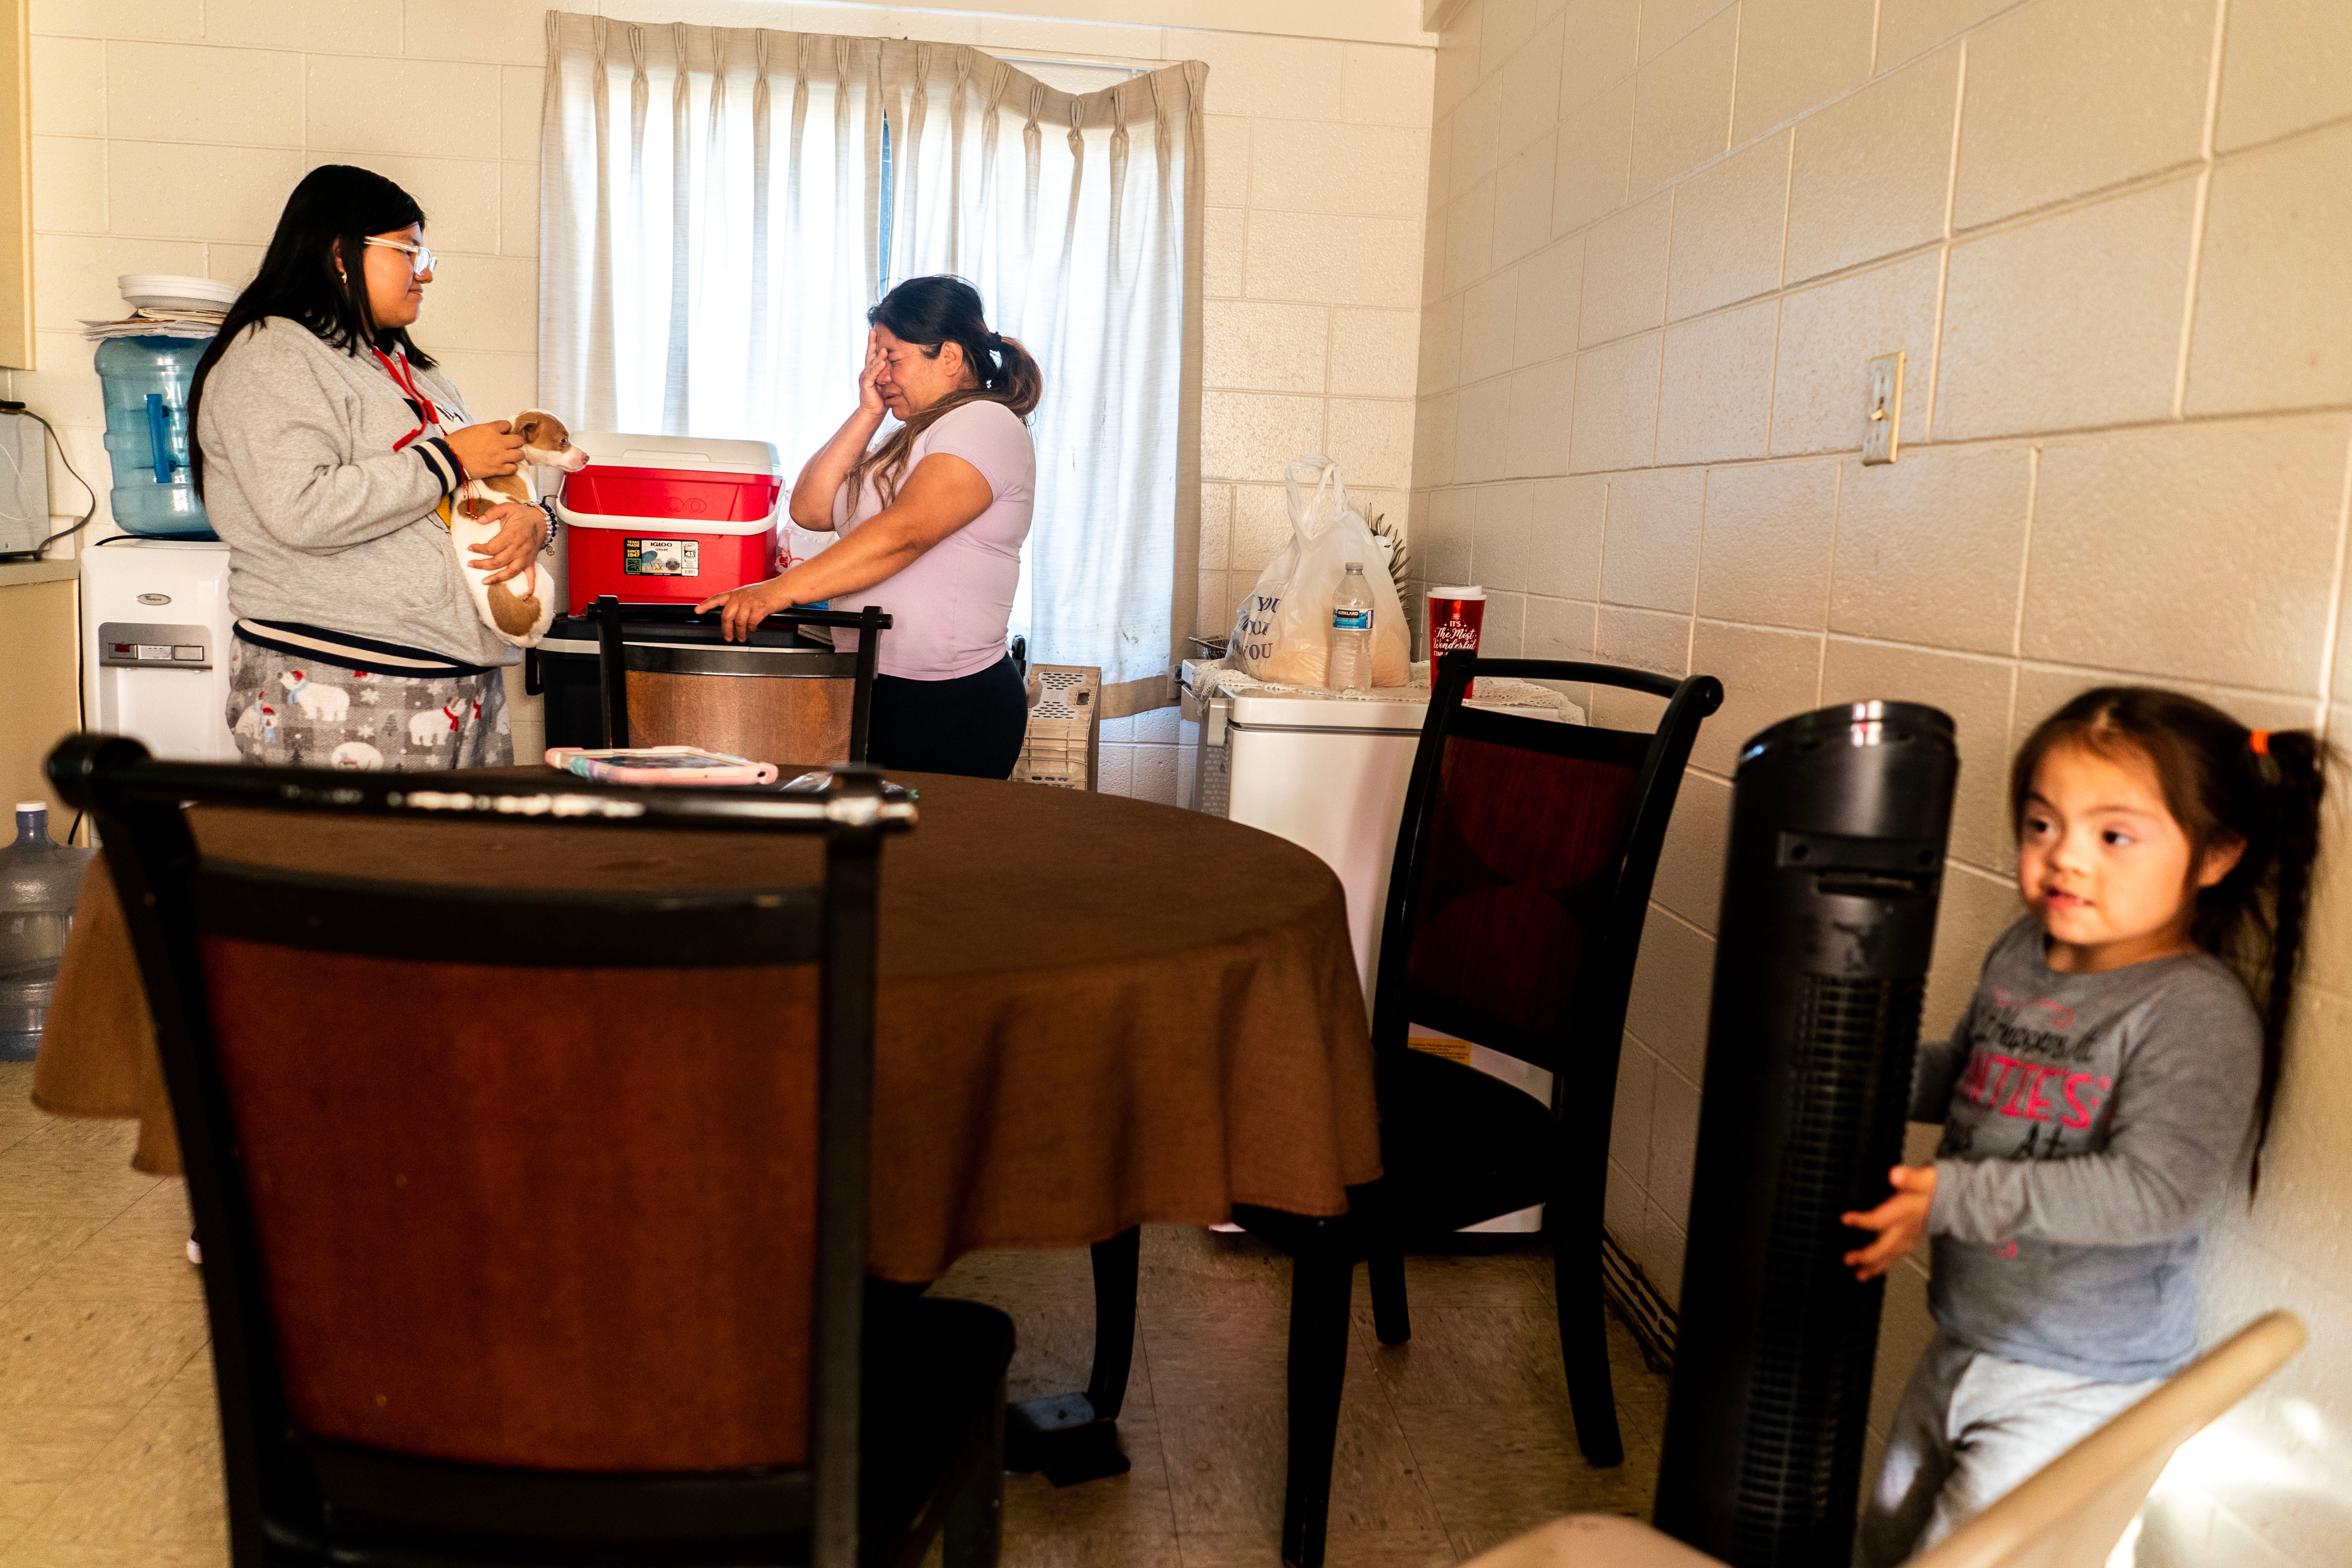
{"x": 1881, "y": 432}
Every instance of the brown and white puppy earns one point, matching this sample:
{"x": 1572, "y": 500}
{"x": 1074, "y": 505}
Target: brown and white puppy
{"x": 520, "y": 608}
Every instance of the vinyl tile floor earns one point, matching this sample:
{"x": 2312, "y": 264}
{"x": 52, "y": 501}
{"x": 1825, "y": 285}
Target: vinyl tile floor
{"x": 1448, "y": 1445}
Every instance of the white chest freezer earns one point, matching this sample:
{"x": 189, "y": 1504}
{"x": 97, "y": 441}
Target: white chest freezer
{"x": 1330, "y": 773}
{"x": 1330, "y": 777}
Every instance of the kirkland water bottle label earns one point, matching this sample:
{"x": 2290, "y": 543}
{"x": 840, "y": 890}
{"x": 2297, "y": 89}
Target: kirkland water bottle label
{"x": 1351, "y": 619}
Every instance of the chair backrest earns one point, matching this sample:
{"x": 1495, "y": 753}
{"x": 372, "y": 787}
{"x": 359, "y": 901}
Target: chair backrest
{"x": 1524, "y": 863}
{"x": 1593, "y": 1540}
{"x": 515, "y": 1202}
{"x": 2068, "y": 1514}
{"x": 653, "y": 693}
{"x": 2071, "y": 1512}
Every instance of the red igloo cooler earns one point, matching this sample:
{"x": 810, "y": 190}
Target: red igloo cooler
{"x": 668, "y": 518}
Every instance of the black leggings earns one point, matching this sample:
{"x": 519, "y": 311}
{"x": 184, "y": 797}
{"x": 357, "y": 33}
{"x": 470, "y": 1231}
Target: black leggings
{"x": 971, "y": 724}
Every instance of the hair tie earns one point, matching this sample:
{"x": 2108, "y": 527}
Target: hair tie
{"x": 2260, "y": 741}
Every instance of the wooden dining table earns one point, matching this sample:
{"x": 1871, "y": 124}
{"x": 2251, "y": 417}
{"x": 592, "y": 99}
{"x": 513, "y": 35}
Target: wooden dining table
{"x": 1092, "y": 1012}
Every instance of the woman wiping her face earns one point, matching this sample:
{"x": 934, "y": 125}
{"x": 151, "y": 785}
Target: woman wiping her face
{"x": 932, "y": 523}
{"x": 2115, "y": 1065}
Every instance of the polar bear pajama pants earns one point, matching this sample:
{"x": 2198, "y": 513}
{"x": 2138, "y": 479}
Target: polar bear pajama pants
{"x": 288, "y": 712}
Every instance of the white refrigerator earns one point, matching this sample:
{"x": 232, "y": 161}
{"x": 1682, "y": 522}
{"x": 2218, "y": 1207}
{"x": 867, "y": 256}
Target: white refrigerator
{"x": 156, "y": 633}
{"x": 1330, "y": 773}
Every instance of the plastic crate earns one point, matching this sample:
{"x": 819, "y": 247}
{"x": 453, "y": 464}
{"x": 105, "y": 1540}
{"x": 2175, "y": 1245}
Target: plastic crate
{"x": 1213, "y": 782}
{"x": 1058, "y": 749}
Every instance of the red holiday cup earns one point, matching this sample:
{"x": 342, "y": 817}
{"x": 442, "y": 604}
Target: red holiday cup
{"x": 1454, "y": 616}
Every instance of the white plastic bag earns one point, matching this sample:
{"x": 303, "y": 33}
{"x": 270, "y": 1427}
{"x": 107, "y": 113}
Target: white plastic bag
{"x": 1283, "y": 631}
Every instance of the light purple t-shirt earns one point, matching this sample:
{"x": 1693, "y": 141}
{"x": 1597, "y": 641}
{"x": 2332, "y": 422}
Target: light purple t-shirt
{"x": 950, "y": 607}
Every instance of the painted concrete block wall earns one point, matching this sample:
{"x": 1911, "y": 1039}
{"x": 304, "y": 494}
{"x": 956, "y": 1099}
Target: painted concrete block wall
{"x": 1318, "y": 154}
{"x": 1664, "y": 235}
{"x": 167, "y": 133}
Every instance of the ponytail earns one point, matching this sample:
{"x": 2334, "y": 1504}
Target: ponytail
{"x": 2223, "y": 783}
{"x": 1013, "y": 378}
{"x": 930, "y": 313}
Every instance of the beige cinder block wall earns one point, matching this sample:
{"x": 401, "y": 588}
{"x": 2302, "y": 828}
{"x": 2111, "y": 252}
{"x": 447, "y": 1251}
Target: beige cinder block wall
{"x": 167, "y": 132}
{"x": 2112, "y": 238}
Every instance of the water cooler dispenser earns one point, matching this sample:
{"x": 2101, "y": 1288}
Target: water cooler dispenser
{"x": 156, "y": 627}
{"x": 1838, "y": 826}
{"x": 155, "y": 615}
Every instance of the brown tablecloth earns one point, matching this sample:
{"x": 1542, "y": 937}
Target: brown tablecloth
{"x": 1093, "y": 1012}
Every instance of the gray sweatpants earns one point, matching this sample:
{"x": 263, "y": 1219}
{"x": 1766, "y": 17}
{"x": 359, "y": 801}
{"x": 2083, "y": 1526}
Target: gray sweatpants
{"x": 289, "y": 712}
{"x": 1970, "y": 1427}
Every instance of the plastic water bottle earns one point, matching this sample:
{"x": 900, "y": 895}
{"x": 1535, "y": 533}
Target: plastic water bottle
{"x": 145, "y": 382}
{"x": 39, "y": 881}
{"x": 1352, "y": 634}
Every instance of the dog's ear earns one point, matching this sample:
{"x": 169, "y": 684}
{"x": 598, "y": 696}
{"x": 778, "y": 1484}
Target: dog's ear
{"x": 542, "y": 430}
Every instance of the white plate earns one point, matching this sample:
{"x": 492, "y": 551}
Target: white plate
{"x": 171, "y": 291}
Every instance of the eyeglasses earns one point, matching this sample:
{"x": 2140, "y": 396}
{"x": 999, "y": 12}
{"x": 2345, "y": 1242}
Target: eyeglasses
{"x": 420, "y": 258}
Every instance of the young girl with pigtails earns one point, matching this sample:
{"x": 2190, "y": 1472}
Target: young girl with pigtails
{"x": 2116, "y": 1062}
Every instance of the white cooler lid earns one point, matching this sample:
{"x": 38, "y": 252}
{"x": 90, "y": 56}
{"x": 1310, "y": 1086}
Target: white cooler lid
{"x": 682, "y": 453}
{"x": 1307, "y": 710}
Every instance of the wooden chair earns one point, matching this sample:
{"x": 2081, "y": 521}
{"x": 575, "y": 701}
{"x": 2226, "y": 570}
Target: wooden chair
{"x": 2071, "y": 1512}
{"x": 1515, "y": 905}
{"x": 806, "y": 707}
{"x": 1594, "y": 1540}
{"x": 2068, "y": 1514}
{"x": 535, "y": 1220}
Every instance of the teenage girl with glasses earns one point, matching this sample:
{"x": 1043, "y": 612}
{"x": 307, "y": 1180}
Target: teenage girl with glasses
{"x": 327, "y": 447}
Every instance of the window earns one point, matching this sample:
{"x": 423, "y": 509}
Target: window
{"x": 721, "y": 206}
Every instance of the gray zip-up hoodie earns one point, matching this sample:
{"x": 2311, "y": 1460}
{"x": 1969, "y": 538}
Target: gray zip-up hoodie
{"x": 2091, "y": 1122}
{"x": 327, "y": 525}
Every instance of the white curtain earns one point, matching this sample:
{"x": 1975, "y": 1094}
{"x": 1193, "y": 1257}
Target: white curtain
{"x": 711, "y": 220}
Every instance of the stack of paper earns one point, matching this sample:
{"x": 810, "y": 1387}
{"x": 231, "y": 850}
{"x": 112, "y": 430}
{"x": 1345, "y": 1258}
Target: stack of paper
{"x": 146, "y": 323}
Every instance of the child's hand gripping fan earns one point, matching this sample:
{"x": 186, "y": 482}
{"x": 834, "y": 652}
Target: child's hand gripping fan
{"x": 1283, "y": 631}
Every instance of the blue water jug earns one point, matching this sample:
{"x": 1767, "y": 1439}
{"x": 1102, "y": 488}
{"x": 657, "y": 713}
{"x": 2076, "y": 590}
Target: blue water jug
{"x": 146, "y": 382}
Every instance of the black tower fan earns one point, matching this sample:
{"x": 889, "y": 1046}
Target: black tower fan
{"x": 1838, "y": 823}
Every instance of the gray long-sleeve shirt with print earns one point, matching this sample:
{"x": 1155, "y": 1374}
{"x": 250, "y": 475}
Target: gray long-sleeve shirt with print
{"x": 2090, "y": 1122}
{"x": 328, "y": 525}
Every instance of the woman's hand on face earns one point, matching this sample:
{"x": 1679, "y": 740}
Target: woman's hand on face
{"x": 522, "y": 531}
{"x": 742, "y": 609}
{"x": 487, "y": 450}
{"x": 869, "y": 397}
